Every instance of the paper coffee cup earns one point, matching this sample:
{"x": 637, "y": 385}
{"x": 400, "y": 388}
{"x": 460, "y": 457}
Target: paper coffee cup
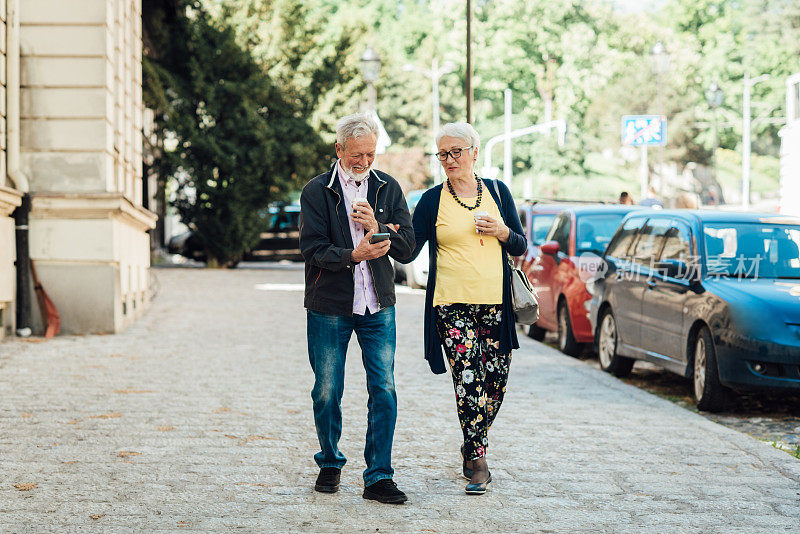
{"x": 356, "y": 200}
{"x": 477, "y": 215}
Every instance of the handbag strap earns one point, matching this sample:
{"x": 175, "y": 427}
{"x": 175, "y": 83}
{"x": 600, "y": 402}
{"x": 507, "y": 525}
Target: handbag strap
{"x": 500, "y": 198}
{"x": 497, "y": 190}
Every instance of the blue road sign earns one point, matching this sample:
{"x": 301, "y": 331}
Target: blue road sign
{"x": 640, "y": 130}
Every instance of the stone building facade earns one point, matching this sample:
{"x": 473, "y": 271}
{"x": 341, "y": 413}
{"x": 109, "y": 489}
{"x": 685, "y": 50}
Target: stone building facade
{"x": 79, "y": 138}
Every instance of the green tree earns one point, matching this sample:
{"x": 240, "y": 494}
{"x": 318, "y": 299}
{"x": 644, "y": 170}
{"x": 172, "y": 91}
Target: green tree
{"x": 312, "y": 51}
{"x": 555, "y": 55}
{"x": 231, "y": 140}
{"x": 581, "y": 60}
{"x": 730, "y": 38}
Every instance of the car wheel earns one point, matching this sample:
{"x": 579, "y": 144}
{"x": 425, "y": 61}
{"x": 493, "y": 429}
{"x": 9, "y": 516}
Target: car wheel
{"x": 709, "y": 393}
{"x": 536, "y": 332}
{"x": 607, "y": 339}
{"x": 566, "y": 338}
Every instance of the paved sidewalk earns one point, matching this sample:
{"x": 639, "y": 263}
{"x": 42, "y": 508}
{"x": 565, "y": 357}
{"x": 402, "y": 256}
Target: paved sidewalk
{"x": 199, "y": 419}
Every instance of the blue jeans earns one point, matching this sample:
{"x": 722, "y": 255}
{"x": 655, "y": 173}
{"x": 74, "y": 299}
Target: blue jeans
{"x": 328, "y": 336}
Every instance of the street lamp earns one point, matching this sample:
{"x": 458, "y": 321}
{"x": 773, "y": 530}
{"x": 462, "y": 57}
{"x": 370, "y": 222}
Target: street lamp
{"x": 468, "y": 74}
{"x": 434, "y": 74}
{"x": 746, "y": 120}
{"x": 714, "y": 96}
{"x": 370, "y": 66}
{"x": 659, "y": 58}
{"x": 659, "y": 61}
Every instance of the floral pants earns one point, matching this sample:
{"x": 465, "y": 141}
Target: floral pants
{"x": 470, "y": 335}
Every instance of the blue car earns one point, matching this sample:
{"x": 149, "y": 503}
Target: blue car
{"x": 711, "y": 295}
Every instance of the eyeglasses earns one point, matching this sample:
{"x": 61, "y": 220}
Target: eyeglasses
{"x": 455, "y": 152}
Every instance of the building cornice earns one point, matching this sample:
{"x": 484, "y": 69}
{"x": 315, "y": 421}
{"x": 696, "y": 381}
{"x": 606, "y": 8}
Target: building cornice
{"x": 9, "y": 200}
{"x": 91, "y": 206}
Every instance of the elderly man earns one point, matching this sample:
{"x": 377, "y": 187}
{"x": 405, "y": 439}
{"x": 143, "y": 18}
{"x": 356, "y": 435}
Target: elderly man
{"x": 350, "y": 287}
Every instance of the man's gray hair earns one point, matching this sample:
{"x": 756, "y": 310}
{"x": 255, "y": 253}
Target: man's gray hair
{"x": 460, "y": 130}
{"x": 355, "y": 125}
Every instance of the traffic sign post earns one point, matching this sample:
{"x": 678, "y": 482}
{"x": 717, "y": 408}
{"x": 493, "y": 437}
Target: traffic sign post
{"x": 644, "y": 131}
{"x": 647, "y": 130}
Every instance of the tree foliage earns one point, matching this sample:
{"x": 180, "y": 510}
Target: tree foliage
{"x": 582, "y": 60}
{"x": 730, "y": 38}
{"x": 228, "y": 136}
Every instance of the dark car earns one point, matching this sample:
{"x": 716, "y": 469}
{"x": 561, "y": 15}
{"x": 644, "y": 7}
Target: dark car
{"x": 188, "y": 245}
{"x": 279, "y": 240}
{"x": 710, "y": 295}
{"x": 569, "y": 256}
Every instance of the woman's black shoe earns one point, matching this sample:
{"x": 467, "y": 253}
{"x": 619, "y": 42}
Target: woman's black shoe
{"x": 478, "y": 489}
{"x": 385, "y": 491}
{"x": 328, "y": 480}
{"x": 466, "y": 472}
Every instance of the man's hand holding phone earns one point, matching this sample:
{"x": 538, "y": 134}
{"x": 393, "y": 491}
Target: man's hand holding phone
{"x": 369, "y": 251}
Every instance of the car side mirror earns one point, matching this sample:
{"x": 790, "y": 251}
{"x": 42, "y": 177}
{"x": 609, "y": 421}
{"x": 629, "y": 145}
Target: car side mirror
{"x": 550, "y": 247}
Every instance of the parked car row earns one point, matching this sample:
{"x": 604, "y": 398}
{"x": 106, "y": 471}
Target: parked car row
{"x": 710, "y": 295}
{"x": 567, "y": 258}
{"x": 713, "y": 296}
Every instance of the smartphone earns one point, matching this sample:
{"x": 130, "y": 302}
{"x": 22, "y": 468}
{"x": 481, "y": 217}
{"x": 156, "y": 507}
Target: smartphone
{"x": 376, "y": 238}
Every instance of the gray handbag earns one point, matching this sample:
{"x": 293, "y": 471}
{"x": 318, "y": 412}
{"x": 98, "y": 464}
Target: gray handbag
{"x": 523, "y": 296}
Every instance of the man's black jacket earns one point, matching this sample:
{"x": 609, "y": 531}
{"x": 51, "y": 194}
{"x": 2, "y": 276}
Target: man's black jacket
{"x": 326, "y": 243}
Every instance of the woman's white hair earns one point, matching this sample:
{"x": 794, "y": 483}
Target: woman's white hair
{"x": 460, "y": 130}
{"x": 355, "y": 125}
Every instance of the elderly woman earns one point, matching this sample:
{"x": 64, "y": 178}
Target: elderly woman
{"x": 471, "y": 224}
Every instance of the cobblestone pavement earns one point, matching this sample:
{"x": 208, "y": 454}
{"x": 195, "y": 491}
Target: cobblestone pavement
{"x": 771, "y": 416}
{"x": 198, "y": 418}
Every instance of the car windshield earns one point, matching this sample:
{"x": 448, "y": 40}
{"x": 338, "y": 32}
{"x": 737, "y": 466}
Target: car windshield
{"x": 752, "y": 250}
{"x": 595, "y": 231}
{"x": 284, "y": 220}
{"x": 413, "y": 198}
{"x": 539, "y": 227}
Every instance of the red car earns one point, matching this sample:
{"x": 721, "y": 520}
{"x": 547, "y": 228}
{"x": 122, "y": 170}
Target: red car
{"x": 568, "y": 258}
{"x": 537, "y": 218}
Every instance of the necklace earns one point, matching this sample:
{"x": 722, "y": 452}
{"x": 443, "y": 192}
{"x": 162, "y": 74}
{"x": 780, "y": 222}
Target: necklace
{"x": 455, "y": 197}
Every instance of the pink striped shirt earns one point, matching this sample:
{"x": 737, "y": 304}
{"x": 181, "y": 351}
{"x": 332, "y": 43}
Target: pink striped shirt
{"x": 365, "y": 297}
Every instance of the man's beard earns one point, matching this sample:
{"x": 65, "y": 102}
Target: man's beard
{"x": 356, "y": 177}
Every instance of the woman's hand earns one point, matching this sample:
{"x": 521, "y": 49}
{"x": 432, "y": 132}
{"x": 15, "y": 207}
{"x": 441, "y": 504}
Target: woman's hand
{"x": 492, "y": 227}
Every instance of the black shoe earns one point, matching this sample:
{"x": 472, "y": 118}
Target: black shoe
{"x": 328, "y": 480}
{"x": 466, "y": 472}
{"x": 385, "y": 491}
{"x": 478, "y": 489}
